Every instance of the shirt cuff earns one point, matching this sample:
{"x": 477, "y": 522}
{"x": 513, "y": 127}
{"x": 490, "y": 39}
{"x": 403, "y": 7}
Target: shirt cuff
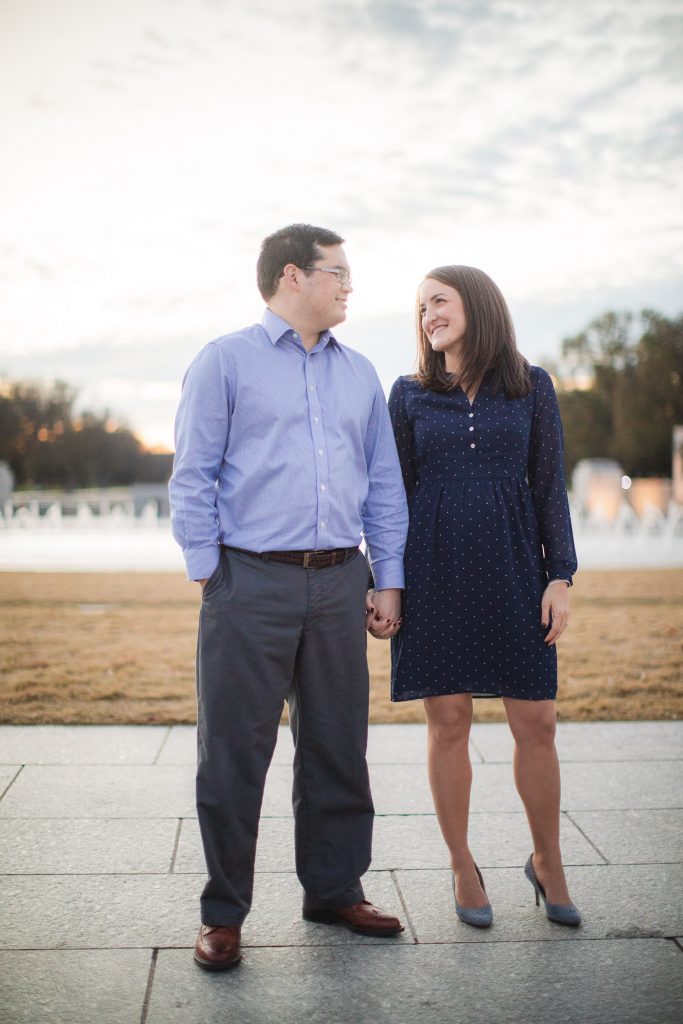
{"x": 201, "y": 562}
{"x": 388, "y": 575}
{"x": 560, "y": 579}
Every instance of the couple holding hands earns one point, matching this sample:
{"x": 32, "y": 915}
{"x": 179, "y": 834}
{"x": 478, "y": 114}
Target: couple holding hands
{"x": 286, "y": 455}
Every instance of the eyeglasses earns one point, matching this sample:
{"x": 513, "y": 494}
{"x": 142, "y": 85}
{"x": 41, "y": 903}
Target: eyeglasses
{"x": 342, "y": 275}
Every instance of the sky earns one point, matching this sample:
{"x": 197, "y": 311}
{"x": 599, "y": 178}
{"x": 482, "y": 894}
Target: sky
{"x": 151, "y": 144}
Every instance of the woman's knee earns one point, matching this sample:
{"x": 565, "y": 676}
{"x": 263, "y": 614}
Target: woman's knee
{"x": 534, "y": 725}
{"x": 448, "y": 721}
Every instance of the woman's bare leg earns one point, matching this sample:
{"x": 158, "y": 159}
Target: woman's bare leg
{"x": 537, "y": 777}
{"x": 450, "y": 777}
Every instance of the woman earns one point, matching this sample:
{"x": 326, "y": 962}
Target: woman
{"x": 489, "y": 562}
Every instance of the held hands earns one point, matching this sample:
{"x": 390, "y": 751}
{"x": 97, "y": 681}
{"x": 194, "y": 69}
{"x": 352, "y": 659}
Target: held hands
{"x": 383, "y": 613}
{"x": 555, "y": 609}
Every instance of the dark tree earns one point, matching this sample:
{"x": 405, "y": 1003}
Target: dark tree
{"x": 47, "y": 445}
{"x": 635, "y": 395}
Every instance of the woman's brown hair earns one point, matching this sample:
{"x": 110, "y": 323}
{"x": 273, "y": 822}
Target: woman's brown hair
{"x": 489, "y": 341}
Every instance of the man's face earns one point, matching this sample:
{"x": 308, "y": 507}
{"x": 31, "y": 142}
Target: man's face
{"x": 324, "y": 294}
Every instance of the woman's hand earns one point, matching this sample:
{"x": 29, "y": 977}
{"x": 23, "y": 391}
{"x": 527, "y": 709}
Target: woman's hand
{"x": 382, "y": 613}
{"x": 555, "y": 609}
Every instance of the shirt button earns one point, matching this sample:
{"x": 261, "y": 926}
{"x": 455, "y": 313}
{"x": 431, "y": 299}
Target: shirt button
{"x": 316, "y": 420}
{"x": 322, "y": 487}
{"x": 471, "y": 428}
{"x": 473, "y": 446}
{"x": 320, "y": 451}
{"x": 311, "y": 387}
{"x": 295, "y": 336}
{"x": 322, "y": 523}
{"x": 470, "y": 414}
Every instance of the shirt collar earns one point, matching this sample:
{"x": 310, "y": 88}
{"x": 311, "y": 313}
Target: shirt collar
{"x": 275, "y": 327}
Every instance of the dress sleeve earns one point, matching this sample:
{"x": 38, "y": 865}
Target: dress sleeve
{"x": 403, "y": 433}
{"x": 547, "y": 483}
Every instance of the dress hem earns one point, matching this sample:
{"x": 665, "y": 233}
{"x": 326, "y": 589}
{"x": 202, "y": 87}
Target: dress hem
{"x": 470, "y": 693}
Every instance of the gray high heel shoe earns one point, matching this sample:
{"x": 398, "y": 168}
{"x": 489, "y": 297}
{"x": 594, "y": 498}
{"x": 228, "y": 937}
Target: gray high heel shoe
{"x": 560, "y": 913}
{"x": 478, "y": 917}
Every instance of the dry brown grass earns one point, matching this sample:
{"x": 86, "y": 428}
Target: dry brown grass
{"x": 102, "y": 647}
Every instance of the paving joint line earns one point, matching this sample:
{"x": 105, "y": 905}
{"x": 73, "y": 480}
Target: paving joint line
{"x": 377, "y": 943}
{"x": 163, "y": 744}
{"x": 171, "y": 869}
{"x": 291, "y": 871}
{"x": 12, "y": 781}
{"x": 411, "y": 926}
{"x": 587, "y": 838}
{"x": 150, "y": 982}
{"x": 478, "y": 751}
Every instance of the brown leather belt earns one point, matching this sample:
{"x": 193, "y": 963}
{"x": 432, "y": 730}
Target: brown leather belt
{"x": 307, "y": 559}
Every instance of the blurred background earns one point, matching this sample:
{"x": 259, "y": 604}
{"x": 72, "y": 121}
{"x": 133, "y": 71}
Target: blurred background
{"x": 151, "y": 144}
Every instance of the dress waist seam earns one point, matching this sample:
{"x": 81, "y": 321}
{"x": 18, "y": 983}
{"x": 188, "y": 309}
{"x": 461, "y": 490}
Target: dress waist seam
{"x": 442, "y": 477}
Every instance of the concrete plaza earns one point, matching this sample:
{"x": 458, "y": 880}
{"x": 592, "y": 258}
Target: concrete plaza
{"x": 101, "y": 869}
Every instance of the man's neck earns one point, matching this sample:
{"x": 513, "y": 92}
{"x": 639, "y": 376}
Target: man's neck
{"x": 308, "y": 334}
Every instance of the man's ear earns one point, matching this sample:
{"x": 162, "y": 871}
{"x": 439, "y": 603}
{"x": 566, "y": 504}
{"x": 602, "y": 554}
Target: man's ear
{"x": 292, "y": 275}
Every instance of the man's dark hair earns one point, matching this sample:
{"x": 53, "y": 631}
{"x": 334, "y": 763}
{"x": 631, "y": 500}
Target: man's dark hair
{"x": 298, "y": 244}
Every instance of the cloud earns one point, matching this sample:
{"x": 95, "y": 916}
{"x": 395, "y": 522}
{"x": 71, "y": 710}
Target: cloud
{"x": 539, "y": 140}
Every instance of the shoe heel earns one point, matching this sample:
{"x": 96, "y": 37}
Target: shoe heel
{"x": 560, "y": 913}
{"x": 319, "y": 916}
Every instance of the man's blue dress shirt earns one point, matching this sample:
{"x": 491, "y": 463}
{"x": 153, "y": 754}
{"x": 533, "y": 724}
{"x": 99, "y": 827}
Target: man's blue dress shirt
{"x": 280, "y": 449}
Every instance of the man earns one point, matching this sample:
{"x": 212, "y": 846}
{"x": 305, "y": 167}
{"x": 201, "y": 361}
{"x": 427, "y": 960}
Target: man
{"x": 284, "y": 457}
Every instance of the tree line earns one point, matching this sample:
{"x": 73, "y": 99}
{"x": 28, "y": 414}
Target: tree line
{"x": 47, "y": 444}
{"x": 620, "y": 389}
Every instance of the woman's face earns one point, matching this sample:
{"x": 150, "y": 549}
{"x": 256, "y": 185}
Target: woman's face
{"x": 443, "y": 316}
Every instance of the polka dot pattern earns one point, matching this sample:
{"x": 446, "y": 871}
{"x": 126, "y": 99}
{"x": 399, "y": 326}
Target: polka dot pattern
{"x": 489, "y": 526}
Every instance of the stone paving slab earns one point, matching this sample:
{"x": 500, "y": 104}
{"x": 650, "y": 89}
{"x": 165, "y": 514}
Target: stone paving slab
{"x": 274, "y": 850}
{"x": 125, "y": 911}
{"x": 108, "y": 791}
{"x": 410, "y": 841}
{"x": 635, "y": 837}
{"x": 73, "y": 987}
{"x": 498, "y": 839}
{"x": 81, "y": 744}
{"x": 387, "y": 744}
{"x": 620, "y": 785}
{"x": 122, "y": 791}
{"x": 70, "y": 791}
{"x": 592, "y": 741}
{"x": 401, "y": 789}
{"x": 499, "y": 983}
{"x": 86, "y": 846}
{"x": 623, "y": 902}
{"x": 181, "y": 747}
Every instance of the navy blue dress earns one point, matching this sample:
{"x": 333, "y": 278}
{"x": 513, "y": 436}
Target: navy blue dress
{"x": 489, "y": 527}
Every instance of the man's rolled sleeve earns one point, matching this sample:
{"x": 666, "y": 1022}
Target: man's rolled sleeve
{"x": 385, "y": 514}
{"x": 201, "y": 434}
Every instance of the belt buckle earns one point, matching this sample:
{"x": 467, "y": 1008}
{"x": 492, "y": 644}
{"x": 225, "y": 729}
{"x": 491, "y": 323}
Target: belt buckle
{"x": 306, "y": 558}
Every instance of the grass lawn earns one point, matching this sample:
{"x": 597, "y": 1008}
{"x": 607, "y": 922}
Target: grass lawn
{"x": 116, "y": 648}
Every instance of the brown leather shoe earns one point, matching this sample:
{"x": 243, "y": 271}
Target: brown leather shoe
{"x": 217, "y": 947}
{"x": 360, "y": 917}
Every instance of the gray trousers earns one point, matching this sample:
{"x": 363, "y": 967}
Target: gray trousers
{"x": 270, "y": 632}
